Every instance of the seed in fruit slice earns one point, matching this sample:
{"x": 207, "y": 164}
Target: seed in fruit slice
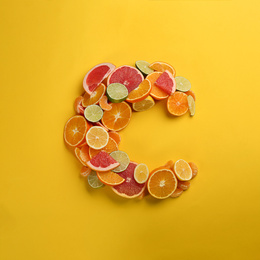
{"x": 116, "y": 92}
{"x": 140, "y": 93}
{"x": 96, "y": 75}
{"x": 141, "y": 173}
{"x": 182, "y": 84}
{"x": 102, "y": 162}
{"x": 109, "y": 148}
{"x": 94, "y": 181}
{"x": 103, "y": 103}
{"x": 116, "y": 136}
{"x": 162, "y": 66}
{"x": 144, "y": 104}
{"x": 95, "y": 96}
{"x": 177, "y": 193}
{"x": 110, "y": 178}
{"x": 97, "y": 137}
{"x": 177, "y": 104}
{"x": 93, "y": 113}
{"x": 194, "y": 169}
{"x": 191, "y": 104}
{"x": 122, "y": 158}
{"x": 166, "y": 82}
{"x": 78, "y": 105}
{"x": 85, "y": 171}
{"x": 182, "y": 170}
{"x": 184, "y": 185}
{"x": 143, "y": 66}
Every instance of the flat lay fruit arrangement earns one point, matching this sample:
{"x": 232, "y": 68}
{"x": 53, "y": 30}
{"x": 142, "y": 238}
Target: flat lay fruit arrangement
{"x": 111, "y": 95}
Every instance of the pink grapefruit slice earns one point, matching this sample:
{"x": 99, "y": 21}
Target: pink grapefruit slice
{"x": 126, "y": 75}
{"x": 166, "y": 82}
{"x": 96, "y": 75}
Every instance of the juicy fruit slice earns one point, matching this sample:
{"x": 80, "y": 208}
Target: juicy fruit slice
{"x": 75, "y": 130}
{"x": 115, "y": 135}
{"x": 102, "y": 162}
{"x": 143, "y": 66}
{"x": 97, "y": 137}
{"x": 140, "y": 93}
{"x": 141, "y": 173}
{"x": 144, "y": 104}
{"x": 94, "y": 181}
{"x": 85, "y": 171}
{"x": 117, "y": 92}
{"x": 190, "y": 93}
{"x": 103, "y": 103}
{"x": 96, "y": 75}
{"x": 126, "y": 75}
{"x": 123, "y": 160}
{"x": 182, "y": 84}
{"x": 118, "y": 117}
{"x": 109, "y": 148}
{"x": 162, "y": 183}
{"x": 182, "y": 170}
{"x": 78, "y": 105}
{"x": 191, "y": 104}
{"x": 95, "y": 96}
{"x": 82, "y": 154}
{"x": 184, "y": 185}
{"x": 194, "y": 169}
{"x": 110, "y": 178}
{"x": 177, "y": 193}
{"x": 93, "y": 113}
{"x": 162, "y": 66}
{"x": 129, "y": 188}
{"x": 177, "y": 104}
{"x": 166, "y": 82}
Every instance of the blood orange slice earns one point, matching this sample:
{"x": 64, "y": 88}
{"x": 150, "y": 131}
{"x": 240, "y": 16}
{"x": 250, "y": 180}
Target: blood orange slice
{"x": 166, "y": 82}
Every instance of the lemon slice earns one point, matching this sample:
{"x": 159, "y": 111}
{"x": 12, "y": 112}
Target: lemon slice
{"x": 141, "y": 173}
{"x": 144, "y": 104}
{"x": 191, "y": 104}
{"x": 182, "y": 170}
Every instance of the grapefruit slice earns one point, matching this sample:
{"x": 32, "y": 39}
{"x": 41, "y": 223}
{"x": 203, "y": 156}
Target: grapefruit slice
{"x": 96, "y": 75}
{"x": 102, "y": 162}
{"x": 126, "y": 75}
{"x": 166, "y": 82}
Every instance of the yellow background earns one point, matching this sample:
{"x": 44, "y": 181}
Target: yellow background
{"x": 48, "y": 212}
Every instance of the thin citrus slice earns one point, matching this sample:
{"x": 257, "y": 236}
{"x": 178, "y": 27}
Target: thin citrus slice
{"x": 103, "y": 103}
{"x": 84, "y": 154}
{"x": 97, "y": 137}
{"x": 115, "y": 135}
{"x": 194, "y": 169}
{"x": 166, "y": 82}
{"x": 191, "y": 104}
{"x": 177, "y": 104}
{"x": 118, "y": 117}
{"x": 94, "y": 181}
{"x": 182, "y": 170}
{"x": 77, "y": 153}
{"x": 184, "y": 185}
{"x": 141, "y": 173}
{"x": 140, "y": 93}
{"x": 190, "y": 93}
{"x": 177, "y": 193}
{"x": 182, "y": 84}
{"x": 162, "y": 66}
{"x": 109, "y": 148}
{"x": 93, "y": 113}
{"x": 95, "y": 96}
{"x": 122, "y": 158}
{"x": 143, "y": 66}
{"x": 110, "y": 178}
{"x": 85, "y": 171}
{"x": 116, "y": 92}
{"x": 78, "y": 105}
{"x": 144, "y": 104}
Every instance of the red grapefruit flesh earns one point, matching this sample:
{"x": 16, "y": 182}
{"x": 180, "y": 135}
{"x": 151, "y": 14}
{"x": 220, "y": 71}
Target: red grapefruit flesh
{"x": 129, "y": 188}
{"x": 126, "y": 75}
{"x": 166, "y": 82}
{"x": 96, "y": 75}
{"x": 102, "y": 162}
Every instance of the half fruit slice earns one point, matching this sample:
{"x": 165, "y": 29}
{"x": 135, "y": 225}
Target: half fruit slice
{"x": 110, "y": 178}
{"x": 140, "y": 93}
{"x": 166, "y": 82}
{"x": 143, "y": 66}
{"x": 182, "y": 170}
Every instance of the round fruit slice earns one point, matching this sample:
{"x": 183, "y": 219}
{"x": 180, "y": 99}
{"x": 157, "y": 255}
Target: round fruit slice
{"x": 129, "y": 188}
{"x": 141, "y": 173}
{"x": 126, "y": 75}
{"x": 123, "y": 160}
{"x": 162, "y": 66}
{"x": 191, "y": 104}
{"x": 110, "y": 178}
{"x": 102, "y": 162}
{"x": 118, "y": 117}
{"x": 95, "y": 96}
{"x": 182, "y": 170}
{"x": 140, "y": 93}
{"x": 103, "y": 103}
{"x": 144, "y": 104}
{"x": 115, "y": 135}
{"x": 96, "y": 75}
{"x": 94, "y": 181}
{"x": 143, "y": 66}
{"x": 116, "y": 92}
{"x": 177, "y": 193}
{"x": 85, "y": 171}
{"x": 78, "y": 105}
{"x": 166, "y": 82}
{"x": 109, "y": 148}
{"x": 93, "y": 113}
{"x": 194, "y": 169}
{"x": 97, "y": 137}
{"x": 162, "y": 183}
{"x": 177, "y": 104}
{"x": 182, "y": 84}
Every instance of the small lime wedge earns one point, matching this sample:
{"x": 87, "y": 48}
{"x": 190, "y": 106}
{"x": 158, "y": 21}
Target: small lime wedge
{"x": 122, "y": 158}
{"x": 144, "y": 104}
{"x": 93, "y": 113}
{"x": 143, "y": 66}
{"x": 117, "y": 92}
{"x": 191, "y": 104}
{"x": 94, "y": 181}
{"x": 182, "y": 84}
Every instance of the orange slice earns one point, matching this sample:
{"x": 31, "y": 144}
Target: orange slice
{"x": 95, "y": 96}
{"x": 82, "y": 154}
{"x": 162, "y": 66}
{"x": 177, "y": 104}
{"x": 182, "y": 170}
{"x": 103, "y": 103}
{"x": 194, "y": 169}
{"x": 140, "y": 93}
{"x": 110, "y": 178}
{"x": 109, "y": 148}
{"x": 115, "y": 135}
{"x": 97, "y": 137}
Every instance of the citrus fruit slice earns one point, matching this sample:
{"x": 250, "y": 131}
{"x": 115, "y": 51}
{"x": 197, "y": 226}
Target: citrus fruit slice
{"x": 140, "y": 93}
{"x": 156, "y": 92}
{"x": 141, "y": 173}
{"x": 190, "y": 93}
{"x": 122, "y": 158}
{"x": 97, "y": 137}
{"x": 129, "y": 188}
{"x": 85, "y": 171}
{"x": 118, "y": 117}
{"x": 102, "y": 162}
{"x": 93, "y": 113}
{"x": 143, "y": 66}
{"x": 144, "y": 104}
{"x": 77, "y": 153}
{"x": 162, "y": 66}
{"x": 115, "y": 135}
{"x": 191, "y": 104}
{"x": 177, "y": 104}
{"x": 182, "y": 170}
{"x": 94, "y": 181}
{"x": 96, "y": 75}
{"x": 109, "y": 148}
{"x": 166, "y": 82}
{"x": 78, "y": 105}
{"x": 184, "y": 185}
{"x": 110, "y": 178}
{"x": 84, "y": 154}
{"x": 95, "y": 96}
{"x": 169, "y": 164}
{"x": 116, "y": 92}
{"x": 103, "y": 103}
{"x": 194, "y": 169}
{"x": 182, "y": 84}
{"x": 126, "y": 75}
{"x": 177, "y": 193}
{"x": 75, "y": 130}
{"x": 162, "y": 183}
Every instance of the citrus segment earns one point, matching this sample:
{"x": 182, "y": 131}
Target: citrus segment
{"x": 184, "y": 185}
{"x": 177, "y": 193}
{"x": 169, "y": 164}
{"x": 166, "y": 82}
{"x": 162, "y": 66}
{"x": 103, "y": 103}
{"x": 123, "y": 160}
{"x": 115, "y": 135}
{"x": 194, "y": 169}
{"x": 110, "y": 178}
{"x": 109, "y": 148}
{"x": 177, "y": 104}
{"x": 95, "y": 96}
{"x": 140, "y": 93}
{"x": 143, "y": 66}
{"x": 93, "y": 113}
{"x": 97, "y": 137}
{"x": 182, "y": 84}
{"x": 94, "y": 181}
{"x": 191, "y": 104}
{"x": 141, "y": 173}
{"x": 116, "y": 92}
{"x": 182, "y": 170}
{"x": 85, "y": 171}
{"x": 144, "y": 104}
{"x": 190, "y": 93}
{"x": 78, "y": 105}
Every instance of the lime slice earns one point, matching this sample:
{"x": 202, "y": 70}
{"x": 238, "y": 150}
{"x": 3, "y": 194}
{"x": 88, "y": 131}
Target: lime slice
{"x": 116, "y": 92}
{"x": 182, "y": 84}
{"x": 191, "y": 104}
{"x": 144, "y": 104}
{"x": 94, "y": 181}
{"x": 122, "y": 158}
{"x": 93, "y": 113}
{"x": 143, "y": 66}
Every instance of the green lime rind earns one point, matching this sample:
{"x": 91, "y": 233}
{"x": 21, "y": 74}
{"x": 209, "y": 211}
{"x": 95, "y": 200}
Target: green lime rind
{"x": 143, "y": 66}
{"x": 94, "y": 181}
{"x": 122, "y": 158}
{"x": 116, "y": 92}
{"x": 182, "y": 84}
{"x": 93, "y": 113}
{"x": 191, "y": 104}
